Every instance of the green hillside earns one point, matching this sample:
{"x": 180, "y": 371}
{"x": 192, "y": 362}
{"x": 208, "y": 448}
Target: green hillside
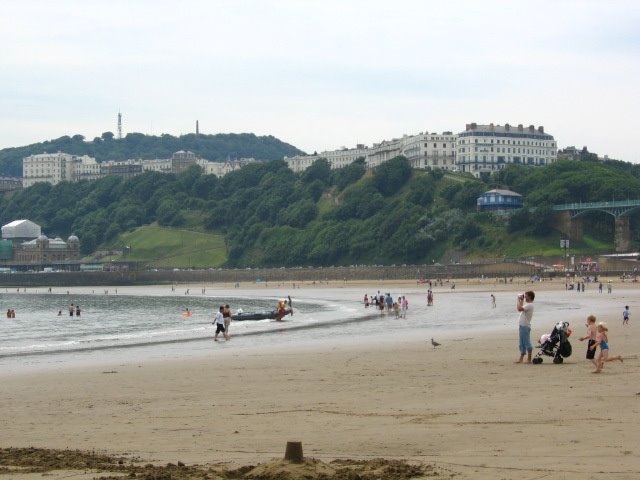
{"x": 164, "y": 247}
{"x": 137, "y": 145}
{"x": 265, "y": 215}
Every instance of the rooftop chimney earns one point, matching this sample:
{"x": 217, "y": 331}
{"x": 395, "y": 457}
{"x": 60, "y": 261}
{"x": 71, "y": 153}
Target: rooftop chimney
{"x": 507, "y": 127}
{"x": 541, "y": 129}
{"x": 532, "y": 128}
{"x": 520, "y": 127}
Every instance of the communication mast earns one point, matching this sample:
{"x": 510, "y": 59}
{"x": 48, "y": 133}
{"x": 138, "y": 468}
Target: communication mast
{"x": 197, "y": 128}
{"x": 119, "y": 126}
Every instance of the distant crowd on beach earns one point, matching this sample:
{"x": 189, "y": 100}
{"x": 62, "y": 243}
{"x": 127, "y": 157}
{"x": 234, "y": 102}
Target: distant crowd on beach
{"x": 384, "y": 302}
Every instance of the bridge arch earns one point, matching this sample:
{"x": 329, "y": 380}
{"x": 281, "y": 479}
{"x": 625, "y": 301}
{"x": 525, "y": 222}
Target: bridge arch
{"x": 571, "y": 219}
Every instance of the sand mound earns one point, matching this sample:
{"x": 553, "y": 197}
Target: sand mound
{"x": 311, "y": 469}
{"x": 76, "y": 462}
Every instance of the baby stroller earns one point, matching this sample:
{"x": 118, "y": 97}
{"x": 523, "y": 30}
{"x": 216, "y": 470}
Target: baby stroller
{"x": 556, "y": 344}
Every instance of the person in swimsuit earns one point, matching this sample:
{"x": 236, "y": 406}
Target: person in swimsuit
{"x": 603, "y": 355}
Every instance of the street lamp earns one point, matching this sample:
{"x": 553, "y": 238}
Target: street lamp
{"x": 564, "y": 243}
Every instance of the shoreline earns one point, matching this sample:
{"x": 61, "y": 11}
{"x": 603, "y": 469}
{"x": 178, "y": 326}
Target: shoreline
{"x": 463, "y": 406}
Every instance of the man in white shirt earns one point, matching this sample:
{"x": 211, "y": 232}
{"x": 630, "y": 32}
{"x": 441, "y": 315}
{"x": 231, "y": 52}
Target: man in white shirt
{"x": 524, "y": 305}
{"x": 219, "y": 321}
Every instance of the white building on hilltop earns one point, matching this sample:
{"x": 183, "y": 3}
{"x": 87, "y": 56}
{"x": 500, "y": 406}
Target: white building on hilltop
{"x": 336, "y": 158}
{"x": 86, "y": 168}
{"x": 480, "y": 148}
{"x": 383, "y": 151}
{"x": 435, "y": 150}
{"x": 487, "y": 148}
{"x": 51, "y": 168}
{"x": 345, "y": 156}
{"x": 299, "y": 163}
{"x": 61, "y": 167}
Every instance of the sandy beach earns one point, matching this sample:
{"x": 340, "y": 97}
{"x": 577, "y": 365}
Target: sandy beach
{"x": 463, "y": 408}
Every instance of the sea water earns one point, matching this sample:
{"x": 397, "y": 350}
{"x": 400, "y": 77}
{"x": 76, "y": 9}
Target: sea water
{"x": 143, "y": 323}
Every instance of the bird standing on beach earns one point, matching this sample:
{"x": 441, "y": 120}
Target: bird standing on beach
{"x": 434, "y": 343}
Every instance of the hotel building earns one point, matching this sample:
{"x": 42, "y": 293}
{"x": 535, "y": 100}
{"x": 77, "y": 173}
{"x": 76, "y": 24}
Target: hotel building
{"x": 480, "y": 148}
{"x": 487, "y": 148}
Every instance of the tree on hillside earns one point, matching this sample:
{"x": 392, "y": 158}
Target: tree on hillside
{"x": 319, "y": 170}
{"x": 390, "y": 176}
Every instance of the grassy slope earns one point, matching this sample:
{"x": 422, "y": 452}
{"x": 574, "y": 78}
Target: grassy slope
{"x": 516, "y": 245}
{"x": 163, "y": 247}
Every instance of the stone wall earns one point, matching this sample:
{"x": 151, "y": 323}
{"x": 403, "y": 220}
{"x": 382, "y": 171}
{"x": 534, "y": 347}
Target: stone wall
{"x": 489, "y": 269}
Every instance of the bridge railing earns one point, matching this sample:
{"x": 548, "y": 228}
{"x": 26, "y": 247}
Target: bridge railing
{"x": 596, "y": 205}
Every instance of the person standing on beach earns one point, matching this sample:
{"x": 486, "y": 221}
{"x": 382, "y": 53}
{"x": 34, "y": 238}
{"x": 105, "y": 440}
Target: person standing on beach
{"x": 366, "y": 300}
{"x": 609, "y": 286}
{"x": 404, "y": 306}
{"x": 219, "y": 321}
{"x": 389, "y": 301}
{"x": 524, "y": 305}
{"x": 493, "y": 301}
{"x": 71, "y": 309}
{"x": 226, "y": 313}
{"x": 625, "y": 315}
{"x": 591, "y": 336}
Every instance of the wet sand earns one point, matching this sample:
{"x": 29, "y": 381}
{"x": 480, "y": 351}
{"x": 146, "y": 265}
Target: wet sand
{"x": 464, "y": 407}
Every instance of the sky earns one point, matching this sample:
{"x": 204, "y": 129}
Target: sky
{"x": 321, "y": 74}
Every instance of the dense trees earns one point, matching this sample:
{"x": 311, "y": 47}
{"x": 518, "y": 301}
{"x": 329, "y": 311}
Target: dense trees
{"x": 273, "y": 217}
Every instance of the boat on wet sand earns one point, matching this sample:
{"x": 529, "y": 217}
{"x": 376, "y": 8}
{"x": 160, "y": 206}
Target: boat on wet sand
{"x": 278, "y": 314}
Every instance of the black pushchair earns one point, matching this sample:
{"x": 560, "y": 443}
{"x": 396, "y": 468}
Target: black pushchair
{"x": 556, "y": 344}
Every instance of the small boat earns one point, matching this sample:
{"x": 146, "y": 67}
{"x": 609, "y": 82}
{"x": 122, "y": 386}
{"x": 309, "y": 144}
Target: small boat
{"x": 277, "y": 314}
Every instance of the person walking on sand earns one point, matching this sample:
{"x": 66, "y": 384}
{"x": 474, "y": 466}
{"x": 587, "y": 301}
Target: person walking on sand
{"x": 524, "y": 305}
{"x": 366, "y": 300}
{"x": 602, "y": 339}
{"x": 493, "y": 301}
{"x": 591, "y": 336}
{"x": 226, "y": 313}
{"x": 219, "y": 321}
{"x": 625, "y": 315}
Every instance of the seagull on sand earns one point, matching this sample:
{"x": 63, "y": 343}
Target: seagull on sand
{"x": 434, "y": 343}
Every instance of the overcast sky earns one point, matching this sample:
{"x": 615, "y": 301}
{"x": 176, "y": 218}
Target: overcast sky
{"x": 321, "y": 74}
